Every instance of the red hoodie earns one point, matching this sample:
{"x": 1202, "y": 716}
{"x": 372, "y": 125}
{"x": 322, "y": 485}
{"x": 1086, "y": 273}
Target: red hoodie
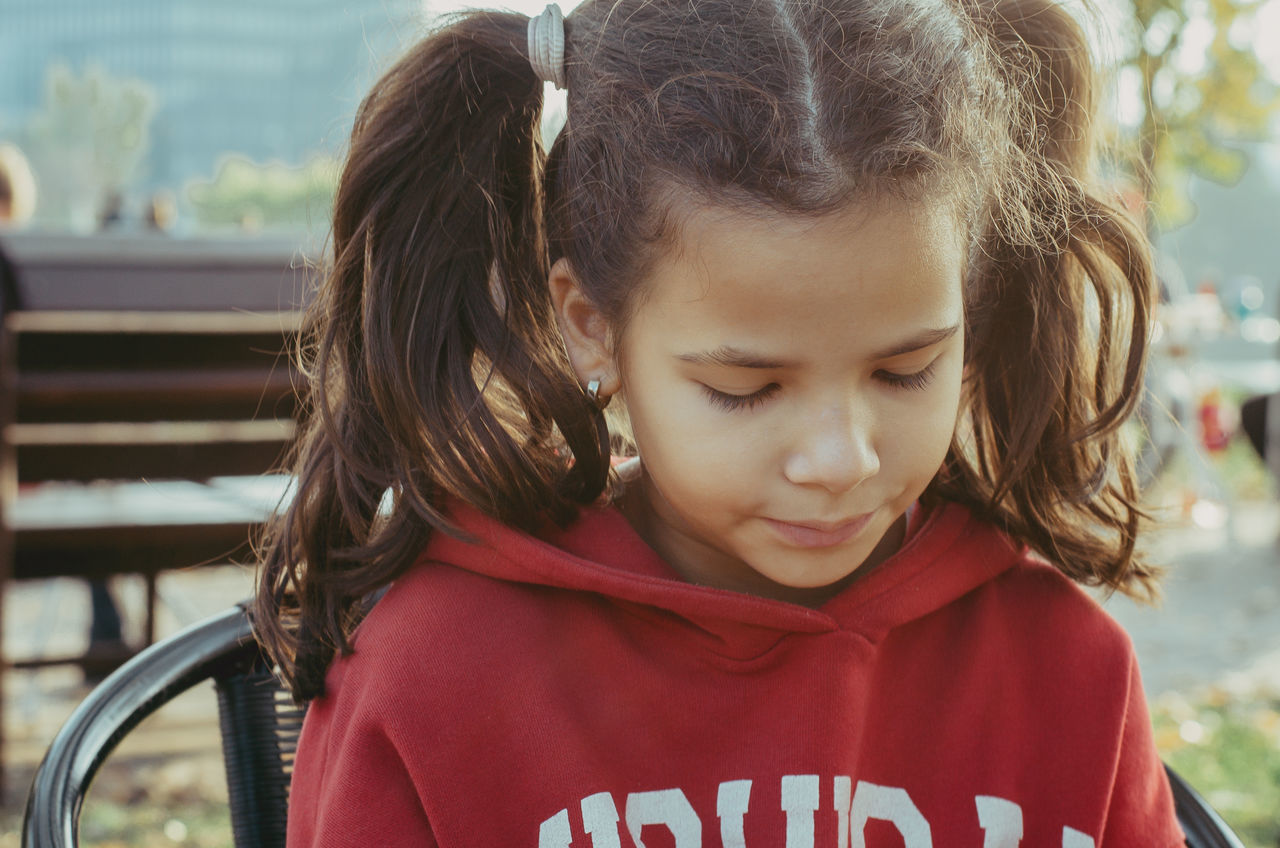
{"x": 573, "y": 691}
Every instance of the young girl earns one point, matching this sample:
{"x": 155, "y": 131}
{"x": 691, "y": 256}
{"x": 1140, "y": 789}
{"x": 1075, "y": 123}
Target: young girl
{"x": 837, "y": 265}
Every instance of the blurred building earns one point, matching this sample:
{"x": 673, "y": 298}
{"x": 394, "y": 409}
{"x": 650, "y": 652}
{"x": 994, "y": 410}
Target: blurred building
{"x": 271, "y": 79}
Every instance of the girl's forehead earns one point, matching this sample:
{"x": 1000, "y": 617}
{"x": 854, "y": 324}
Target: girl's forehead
{"x": 870, "y": 273}
{"x": 887, "y": 248}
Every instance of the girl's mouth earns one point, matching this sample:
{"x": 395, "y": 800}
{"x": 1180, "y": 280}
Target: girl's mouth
{"x": 816, "y": 534}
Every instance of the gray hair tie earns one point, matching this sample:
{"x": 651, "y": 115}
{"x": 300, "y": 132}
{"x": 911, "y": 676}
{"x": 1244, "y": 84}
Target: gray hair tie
{"x": 546, "y": 45}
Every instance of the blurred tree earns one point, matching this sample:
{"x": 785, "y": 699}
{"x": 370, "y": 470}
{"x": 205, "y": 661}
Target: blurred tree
{"x": 253, "y": 196}
{"x": 86, "y": 142}
{"x": 1201, "y": 86}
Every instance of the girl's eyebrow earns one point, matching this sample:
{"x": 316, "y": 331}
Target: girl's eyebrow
{"x": 732, "y": 357}
{"x": 927, "y": 338}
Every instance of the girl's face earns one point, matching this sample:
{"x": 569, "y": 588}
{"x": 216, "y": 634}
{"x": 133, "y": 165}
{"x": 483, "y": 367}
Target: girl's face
{"x": 793, "y": 386}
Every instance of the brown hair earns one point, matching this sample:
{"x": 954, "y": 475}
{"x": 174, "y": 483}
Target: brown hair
{"x": 433, "y": 360}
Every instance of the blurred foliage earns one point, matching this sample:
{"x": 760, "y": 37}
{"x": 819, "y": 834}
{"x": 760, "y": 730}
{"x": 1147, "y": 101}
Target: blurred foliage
{"x": 1243, "y": 472}
{"x": 1202, "y": 86}
{"x": 194, "y": 824}
{"x": 87, "y": 141}
{"x": 1228, "y": 747}
{"x": 143, "y": 823}
{"x": 252, "y": 196}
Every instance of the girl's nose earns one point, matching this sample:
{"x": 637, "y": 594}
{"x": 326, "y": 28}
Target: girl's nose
{"x": 835, "y": 452}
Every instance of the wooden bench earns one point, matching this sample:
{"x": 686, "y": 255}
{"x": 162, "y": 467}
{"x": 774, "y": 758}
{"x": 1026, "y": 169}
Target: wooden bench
{"x": 133, "y": 437}
{"x": 110, "y": 404}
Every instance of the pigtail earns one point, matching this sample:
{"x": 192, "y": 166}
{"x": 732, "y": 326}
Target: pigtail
{"x": 1058, "y": 314}
{"x": 432, "y": 360}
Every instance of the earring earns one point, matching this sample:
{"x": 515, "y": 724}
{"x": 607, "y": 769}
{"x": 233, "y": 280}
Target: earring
{"x": 602, "y": 424}
{"x": 593, "y": 392}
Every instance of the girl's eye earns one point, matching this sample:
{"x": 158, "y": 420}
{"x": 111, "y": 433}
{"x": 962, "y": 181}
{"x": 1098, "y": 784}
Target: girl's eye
{"x": 733, "y": 403}
{"x": 917, "y": 381}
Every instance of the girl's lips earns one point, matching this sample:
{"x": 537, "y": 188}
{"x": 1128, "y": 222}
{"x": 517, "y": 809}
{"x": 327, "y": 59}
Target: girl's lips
{"x": 818, "y": 535}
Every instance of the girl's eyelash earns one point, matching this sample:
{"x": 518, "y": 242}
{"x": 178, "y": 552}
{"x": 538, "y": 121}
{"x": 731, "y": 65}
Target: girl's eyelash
{"x": 733, "y": 403}
{"x": 916, "y": 381}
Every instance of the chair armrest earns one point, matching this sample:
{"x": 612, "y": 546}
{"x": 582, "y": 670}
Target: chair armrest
{"x": 1202, "y": 825}
{"x": 133, "y": 692}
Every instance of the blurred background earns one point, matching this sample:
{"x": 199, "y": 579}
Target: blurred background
{"x": 141, "y": 122}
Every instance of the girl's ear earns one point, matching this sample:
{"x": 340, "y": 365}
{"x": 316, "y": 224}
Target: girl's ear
{"x": 587, "y": 336}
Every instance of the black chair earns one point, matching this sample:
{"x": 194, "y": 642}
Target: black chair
{"x": 1200, "y": 822}
{"x": 259, "y": 723}
{"x": 260, "y": 728}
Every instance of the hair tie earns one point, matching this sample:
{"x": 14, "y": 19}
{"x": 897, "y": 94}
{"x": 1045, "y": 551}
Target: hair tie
{"x": 546, "y": 45}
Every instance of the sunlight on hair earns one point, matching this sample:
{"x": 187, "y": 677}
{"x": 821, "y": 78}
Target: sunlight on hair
{"x": 1105, "y": 24}
{"x": 553, "y": 113}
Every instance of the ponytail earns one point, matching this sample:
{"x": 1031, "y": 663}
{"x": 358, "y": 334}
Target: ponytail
{"x": 1058, "y": 319}
{"x": 432, "y": 361}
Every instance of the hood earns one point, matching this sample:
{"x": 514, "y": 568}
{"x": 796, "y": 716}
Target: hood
{"x": 950, "y": 555}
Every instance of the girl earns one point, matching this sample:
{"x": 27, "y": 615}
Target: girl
{"x": 838, "y": 265}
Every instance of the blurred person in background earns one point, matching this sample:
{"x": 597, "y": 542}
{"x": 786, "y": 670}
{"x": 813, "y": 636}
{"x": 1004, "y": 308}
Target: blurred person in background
{"x": 1260, "y": 420}
{"x": 17, "y": 188}
{"x": 161, "y": 212}
{"x": 17, "y": 203}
